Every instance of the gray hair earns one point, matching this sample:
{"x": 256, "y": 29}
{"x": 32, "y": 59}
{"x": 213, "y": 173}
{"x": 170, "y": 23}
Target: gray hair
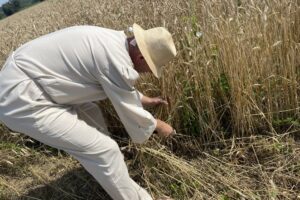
{"x": 133, "y": 42}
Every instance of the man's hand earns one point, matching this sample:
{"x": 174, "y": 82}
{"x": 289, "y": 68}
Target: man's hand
{"x": 155, "y": 101}
{"x": 163, "y": 129}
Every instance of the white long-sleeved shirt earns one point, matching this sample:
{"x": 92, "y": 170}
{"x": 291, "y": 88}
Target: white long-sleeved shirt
{"x": 88, "y": 63}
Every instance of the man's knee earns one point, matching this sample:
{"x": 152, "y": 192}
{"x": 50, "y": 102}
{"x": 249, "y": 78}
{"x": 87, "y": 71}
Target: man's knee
{"x": 104, "y": 146}
{"x": 113, "y": 146}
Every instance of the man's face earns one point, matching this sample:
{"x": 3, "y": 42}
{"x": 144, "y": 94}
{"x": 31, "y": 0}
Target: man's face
{"x": 140, "y": 63}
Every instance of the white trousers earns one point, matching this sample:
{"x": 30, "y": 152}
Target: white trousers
{"x": 79, "y": 130}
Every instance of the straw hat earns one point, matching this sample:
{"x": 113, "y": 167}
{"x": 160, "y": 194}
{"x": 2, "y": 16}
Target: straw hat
{"x": 156, "y": 45}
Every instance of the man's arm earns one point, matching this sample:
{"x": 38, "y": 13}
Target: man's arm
{"x": 163, "y": 129}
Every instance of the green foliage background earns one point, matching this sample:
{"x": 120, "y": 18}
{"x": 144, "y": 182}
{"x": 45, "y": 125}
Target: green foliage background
{"x": 13, "y": 6}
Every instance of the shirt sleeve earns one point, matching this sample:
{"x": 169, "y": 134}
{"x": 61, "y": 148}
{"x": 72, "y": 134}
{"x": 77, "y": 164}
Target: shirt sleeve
{"x": 138, "y": 122}
{"x": 140, "y": 94}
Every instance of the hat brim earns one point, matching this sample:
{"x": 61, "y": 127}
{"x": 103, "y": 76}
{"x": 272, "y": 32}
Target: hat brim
{"x": 139, "y": 33}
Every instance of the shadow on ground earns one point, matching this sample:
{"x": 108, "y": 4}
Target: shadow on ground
{"x": 76, "y": 184}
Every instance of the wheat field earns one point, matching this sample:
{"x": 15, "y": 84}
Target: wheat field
{"x": 233, "y": 93}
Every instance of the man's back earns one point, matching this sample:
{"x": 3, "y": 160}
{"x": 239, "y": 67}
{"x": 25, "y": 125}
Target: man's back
{"x": 69, "y": 62}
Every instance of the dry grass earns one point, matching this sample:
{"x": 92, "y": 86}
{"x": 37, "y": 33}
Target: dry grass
{"x": 236, "y": 75}
{"x": 248, "y": 168}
